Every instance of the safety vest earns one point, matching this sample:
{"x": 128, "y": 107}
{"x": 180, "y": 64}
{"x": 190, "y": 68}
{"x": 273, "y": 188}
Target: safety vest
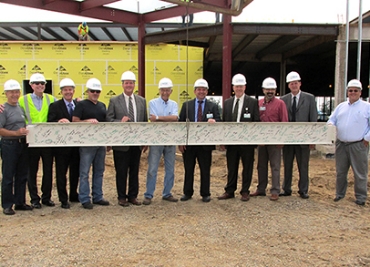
{"x": 32, "y": 114}
{"x": 83, "y": 30}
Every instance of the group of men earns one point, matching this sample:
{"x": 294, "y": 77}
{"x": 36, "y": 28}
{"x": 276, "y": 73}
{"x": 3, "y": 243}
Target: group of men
{"x": 20, "y": 163}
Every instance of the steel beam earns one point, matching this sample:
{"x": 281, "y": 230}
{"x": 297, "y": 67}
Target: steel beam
{"x": 52, "y": 33}
{"x": 285, "y": 29}
{"x": 71, "y": 33}
{"x": 175, "y": 35}
{"x": 17, "y": 33}
{"x": 315, "y": 41}
{"x": 275, "y": 45}
{"x": 243, "y": 44}
{"x": 226, "y": 56}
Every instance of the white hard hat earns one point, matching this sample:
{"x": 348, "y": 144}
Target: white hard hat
{"x": 93, "y": 84}
{"x": 293, "y": 76}
{"x": 201, "y": 83}
{"x": 165, "y": 83}
{"x": 269, "y": 83}
{"x": 354, "y": 83}
{"x": 239, "y": 79}
{"x": 128, "y": 75}
{"x": 12, "y": 85}
{"x": 37, "y": 77}
{"x": 66, "y": 82}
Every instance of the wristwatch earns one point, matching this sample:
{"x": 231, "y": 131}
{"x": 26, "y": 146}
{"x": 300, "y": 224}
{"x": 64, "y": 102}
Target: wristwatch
{"x": 156, "y": 118}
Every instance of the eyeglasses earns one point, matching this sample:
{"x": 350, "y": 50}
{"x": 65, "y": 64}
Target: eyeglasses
{"x": 353, "y": 90}
{"x": 95, "y": 91}
{"x": 37, "y": 83}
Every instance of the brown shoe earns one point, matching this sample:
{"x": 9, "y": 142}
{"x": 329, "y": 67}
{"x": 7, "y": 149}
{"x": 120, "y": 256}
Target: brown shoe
{"x": 274, "y": 197}
{"x": 123, "y": 203}
{"x": 147, "y": 201}
{"x": 245, "y": 197}
{"x": 170, "y": 199}
{"x": 134, "y": 201}
{"x": 225, "y": 196}
{"x": 256, "y": 194}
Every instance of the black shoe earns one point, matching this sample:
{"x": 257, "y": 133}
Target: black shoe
{"x": 65, "y": 205}
{"x": 8, "y": 211}
{"x": 36, "y": 205}
{"x": 336, "y": 199}
{"x": 304, "y": 195}
{"x": 206, "y": 199}
{"x": 48, "y": 203}
{"x": 285, "y": 194}
{"x": 185, "y": 198}
{"x": 102, "y": 202}
{"x": 88, "y": 205}
{"x": 23, "y": 207}
{"x": 360, "y": 203}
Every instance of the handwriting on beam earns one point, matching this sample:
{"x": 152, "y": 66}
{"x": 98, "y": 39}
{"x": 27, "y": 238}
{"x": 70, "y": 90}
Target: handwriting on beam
{"x": 179, "y": 133}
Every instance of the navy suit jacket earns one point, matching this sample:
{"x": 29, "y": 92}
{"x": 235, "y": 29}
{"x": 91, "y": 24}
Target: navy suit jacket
{"x": 188, "y": 108}
{"x": 58, "y": 110}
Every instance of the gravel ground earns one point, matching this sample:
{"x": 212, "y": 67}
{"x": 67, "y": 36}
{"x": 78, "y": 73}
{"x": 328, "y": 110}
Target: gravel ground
{"x": 260, "y": 232}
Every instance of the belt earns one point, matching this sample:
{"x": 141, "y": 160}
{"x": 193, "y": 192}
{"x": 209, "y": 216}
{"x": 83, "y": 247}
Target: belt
{"x": 350, "y": 143}
{"x": 17, "y": 140}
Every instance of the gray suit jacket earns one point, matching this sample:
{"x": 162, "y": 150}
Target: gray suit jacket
{"x": 306, "y": 108}
{"x": 117, "y": 109}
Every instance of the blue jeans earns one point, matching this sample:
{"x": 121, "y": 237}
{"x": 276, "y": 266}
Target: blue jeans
{"x": 94, "y": 156}
{"x": 15, "y": 172}
{"x": 155, "y": 154}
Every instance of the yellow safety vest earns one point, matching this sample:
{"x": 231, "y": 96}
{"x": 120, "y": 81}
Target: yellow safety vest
{"x": 83, "y": 30}
{"x": 32, "y": 114}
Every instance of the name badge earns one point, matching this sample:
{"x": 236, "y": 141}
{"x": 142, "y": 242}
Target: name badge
{"x": 247, "y": 115}
{"x": 209, "y": 116}
{"x": 263, "y": 108}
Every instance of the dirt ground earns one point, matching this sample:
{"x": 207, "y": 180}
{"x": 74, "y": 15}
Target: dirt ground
{"x": 260, "y": 232}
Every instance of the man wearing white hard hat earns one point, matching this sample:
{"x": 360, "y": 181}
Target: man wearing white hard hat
{"x": 127, "y": 107}
{"x": 198, "y": 110}
{"x": 162, "y": 109}
{"x": 272, "y": 109}
{"x": 301, "y": 107}
{"x": 66, "y": 158}
{"x": 239, "y": 108}
{"x": 36, "y": 108}
{"x": 91, "y": 110}
{"x": 14, "y": 152}
{"x": 352, "y": 119}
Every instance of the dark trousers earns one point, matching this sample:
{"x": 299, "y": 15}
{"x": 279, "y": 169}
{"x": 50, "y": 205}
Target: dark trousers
{"x": 67, "y": 158}
{"x": 233, "y": 156}
{"x": 46, "y": 154}
{"x": 302, "y": 154}
{"x": 127, "y": 163}
{"x": 204, "y": 157}
{"x": 15, "y": 172}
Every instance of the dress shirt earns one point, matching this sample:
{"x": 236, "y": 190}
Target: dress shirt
{"x": 296, "y": 98}
{"x": 240, "y": 110}
{"x": 273, "y": 111}
{"x": 352, "y": 121}
{"x": 67, "y": 103}
{"x": 37, "y": 101}
{"x": 159, "y": 107}
{"x": 127, "y": 99}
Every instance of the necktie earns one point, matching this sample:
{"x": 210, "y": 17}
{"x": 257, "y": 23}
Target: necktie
{"x": 236, "y": 110}
{"x": 294, "y": 108}
{"x": 70, "y": 109}
{"x": 200, "y": 113}
{"x": 131, "y": 113}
